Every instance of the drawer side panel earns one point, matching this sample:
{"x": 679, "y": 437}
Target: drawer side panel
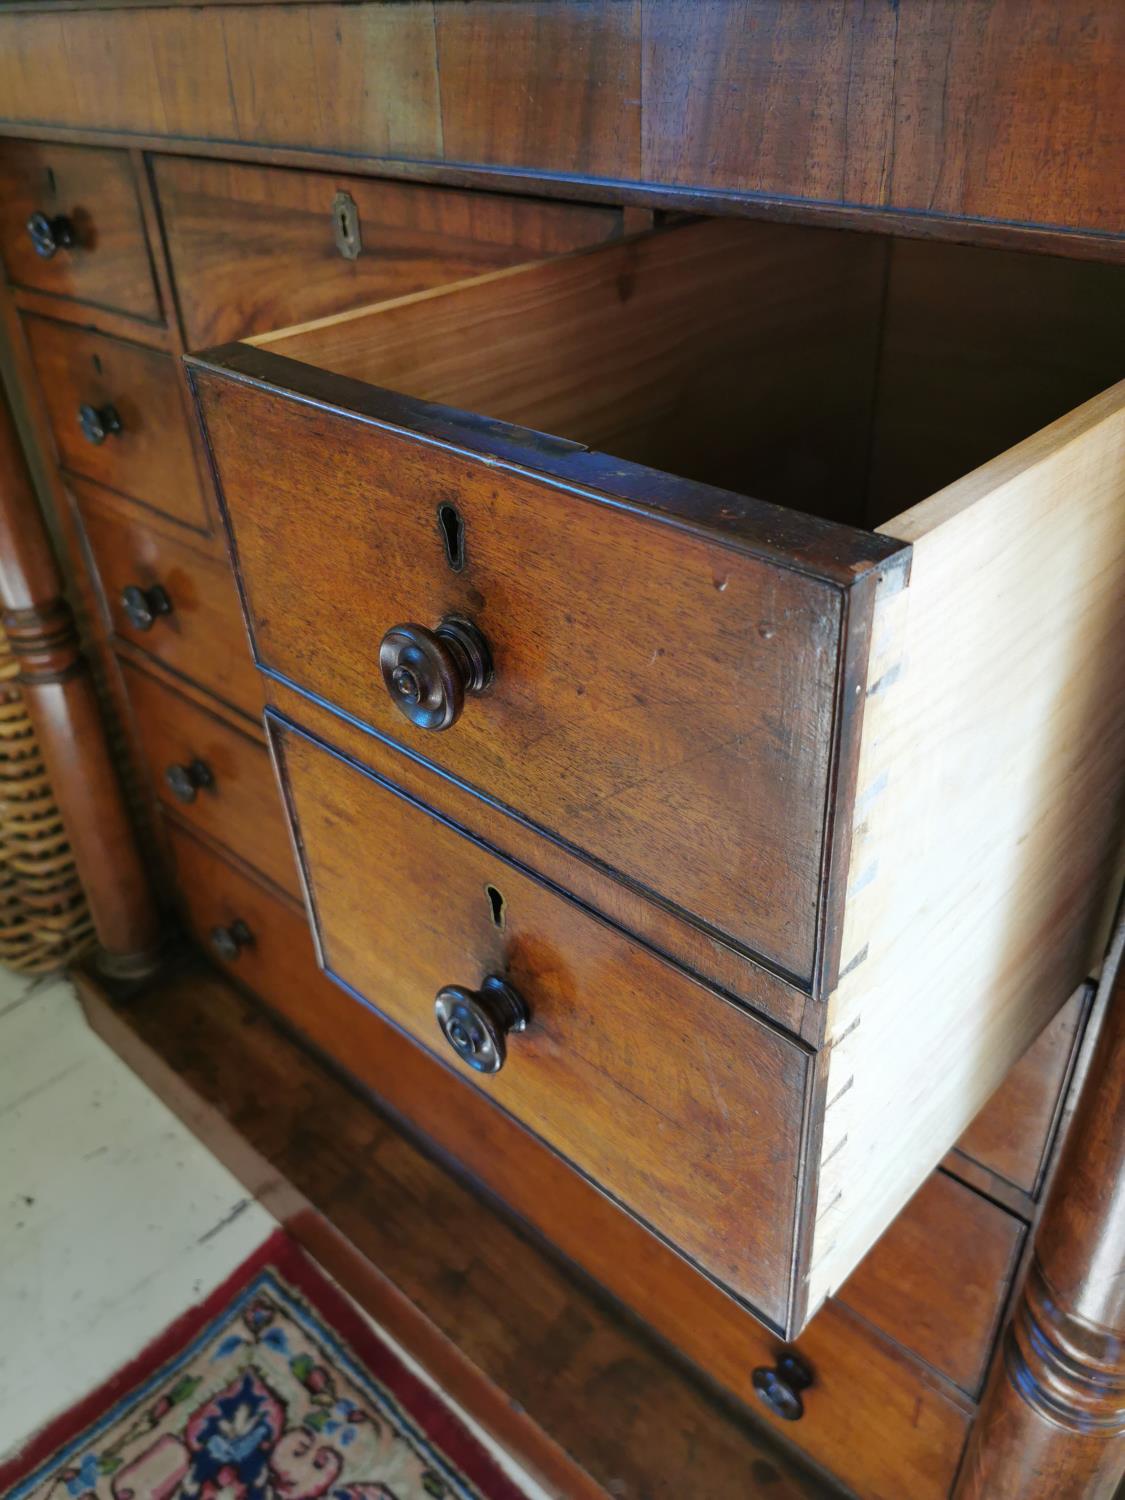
{"x": 992, "y": 774}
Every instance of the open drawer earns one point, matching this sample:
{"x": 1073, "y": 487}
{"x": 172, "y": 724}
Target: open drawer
{"x": 869, "y": 753}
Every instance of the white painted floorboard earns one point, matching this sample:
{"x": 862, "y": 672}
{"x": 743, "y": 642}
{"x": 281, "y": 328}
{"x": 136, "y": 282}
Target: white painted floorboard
{"x": 114, "y": 1219}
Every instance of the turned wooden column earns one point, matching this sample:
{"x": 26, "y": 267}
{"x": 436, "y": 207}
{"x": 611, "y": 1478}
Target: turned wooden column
{"x": 63, "y": 706}
{"x": 1052, "y": 1423}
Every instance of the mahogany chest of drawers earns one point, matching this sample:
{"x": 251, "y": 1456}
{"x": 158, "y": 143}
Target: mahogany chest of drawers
{"x": 681, "y": 651}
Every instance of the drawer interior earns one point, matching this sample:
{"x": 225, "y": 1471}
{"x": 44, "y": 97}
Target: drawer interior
{"x": 845, "y": 375}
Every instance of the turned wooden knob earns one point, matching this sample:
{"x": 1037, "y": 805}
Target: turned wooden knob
{"x": 428, "y": 672}
{"x": 144, "y": 606}
{"x": 780, "y": 1387}
{"x": 186, "y": 781}
{"x": 228, "y": 942}
{"x": 476, "y": 1022}
{"x": 49, "y": 234}
{"x": 99, "y": 422}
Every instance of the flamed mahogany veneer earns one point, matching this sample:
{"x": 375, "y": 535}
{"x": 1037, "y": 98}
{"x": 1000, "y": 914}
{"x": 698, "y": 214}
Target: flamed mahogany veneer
{"x": 869, "y": 755}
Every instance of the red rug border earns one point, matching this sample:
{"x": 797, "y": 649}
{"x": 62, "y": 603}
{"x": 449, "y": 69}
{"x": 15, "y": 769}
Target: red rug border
{"x": 280, "y": 1252}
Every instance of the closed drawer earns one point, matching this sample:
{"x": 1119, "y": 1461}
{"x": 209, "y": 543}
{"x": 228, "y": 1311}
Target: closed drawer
{"x": 70, "y": 223}
{"x": 118, "y": 416}
{"x": 879, "y": 1420}
{"x": 254, "y": 248}
{"x": 171, "y": 600}
{"x": 681, "y": 1106}
{"x": 876, "y": 764}
{"x": 248, "y": 930}
{"x": 215, "y": 777}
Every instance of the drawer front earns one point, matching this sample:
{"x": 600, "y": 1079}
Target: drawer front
{"x": 874, "y": 1417}
{"x": 661, "y": 702}
{"x": 684, "y": 1108}
{"x": 151, "y": 457}
{"x": 213, "y": 776}
{"x": 256, "y": 248}
{"x": 88, "y": 197}
{"x": 273, "y": 953}
{"x": 201, "y": 634}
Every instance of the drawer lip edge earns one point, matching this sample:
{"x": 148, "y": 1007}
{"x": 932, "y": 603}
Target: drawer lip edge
{"x": 833, "y": 554}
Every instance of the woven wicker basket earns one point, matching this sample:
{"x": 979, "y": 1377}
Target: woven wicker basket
{"x": 44, "y": 919}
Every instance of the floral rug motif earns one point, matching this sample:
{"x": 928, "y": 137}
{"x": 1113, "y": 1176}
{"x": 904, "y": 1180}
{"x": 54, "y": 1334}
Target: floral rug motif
{"x": 274, "y": 1389}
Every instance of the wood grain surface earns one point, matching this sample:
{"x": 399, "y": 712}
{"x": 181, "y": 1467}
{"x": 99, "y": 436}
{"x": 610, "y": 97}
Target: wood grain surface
{"x": 1053, "y": 1418}
{"x": 203, "y": 636}
{"x": 993, "y": 770}
{"x": 642, "y": 674}
{"x": 240, "y": 808}
{"x": 62, "y": 703}
{"x": 1012, "y": 1135}
{"x": 630, "y": 685}
{"x": 684, "y": 1108}
{"x": 253, "y": 248}
{"x": 939, "y": 1278}
{"x": 980, "y": 115}
{"x": 108, "y": 265}
{"x": 151, "y": 459}
{"x": 660, "y": 929}
{"x": 732, "y": 354}
{"x": 975, "y": 555}
{"x": 980, "y": 349}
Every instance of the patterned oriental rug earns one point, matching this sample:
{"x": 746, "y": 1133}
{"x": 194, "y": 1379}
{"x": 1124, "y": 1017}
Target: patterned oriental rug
{"x": 274, "y": 1388}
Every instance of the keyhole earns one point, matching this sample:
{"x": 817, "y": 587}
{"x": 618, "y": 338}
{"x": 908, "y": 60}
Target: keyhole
{"x": 345, "y": 226}
{"x": 51, "y": 184}
{"x": 496, "y": 902}
{"x": 452, "y": 535}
